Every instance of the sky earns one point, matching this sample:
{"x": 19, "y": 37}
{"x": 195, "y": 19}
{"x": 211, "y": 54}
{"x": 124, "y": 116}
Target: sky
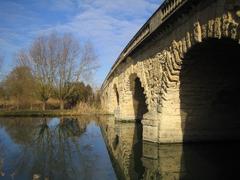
{"x": 108, "y": 24}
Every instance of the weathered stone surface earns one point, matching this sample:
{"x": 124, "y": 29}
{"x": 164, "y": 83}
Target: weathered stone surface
{"x": 158, "y": 65}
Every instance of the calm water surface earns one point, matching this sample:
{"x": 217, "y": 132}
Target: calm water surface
{"x": 53, "y": 148}
{"x": 101, "y": 148}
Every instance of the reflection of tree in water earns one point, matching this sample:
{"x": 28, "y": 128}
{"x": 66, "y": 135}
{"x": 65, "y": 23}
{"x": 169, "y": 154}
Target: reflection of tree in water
{"x": 21, "y": 135}
{"x": 53, "y": 151}
{"x": 21, "y": 130}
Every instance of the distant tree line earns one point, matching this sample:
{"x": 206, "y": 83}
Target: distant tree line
{"x": 52, "y": 71}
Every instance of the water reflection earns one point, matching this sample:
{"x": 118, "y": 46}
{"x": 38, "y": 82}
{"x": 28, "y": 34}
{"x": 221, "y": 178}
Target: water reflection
{"x": 52, "y": 149}
{"x": 135, "y": 159}
{"x": 55, "y": 148}
{"x": 125, "y": 146}
{"x": 74, "y": 148}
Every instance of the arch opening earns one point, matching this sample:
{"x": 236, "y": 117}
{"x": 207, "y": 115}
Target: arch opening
{"x": 138, "y": 97}
{"x": 210, "y": 91}
{"x": 116, "y": 93}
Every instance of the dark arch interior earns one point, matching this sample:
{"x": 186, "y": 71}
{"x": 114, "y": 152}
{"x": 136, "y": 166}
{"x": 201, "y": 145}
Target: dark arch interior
{"x": 209, "y": 95}
{"x": 139, "y": 98}
{"x": 117, "y": 94}
{"x": 140, "y": 108}
{"x": 210, "y": 91}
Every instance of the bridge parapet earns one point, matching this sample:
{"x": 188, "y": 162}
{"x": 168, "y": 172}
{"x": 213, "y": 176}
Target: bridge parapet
{"x": 162, "y": 13}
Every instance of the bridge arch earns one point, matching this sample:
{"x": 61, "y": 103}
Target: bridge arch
{"x": 139, "y": 98}
{"x": 209, "y": 90}
{"x": 219, "y": 33}
{"x": 115, "y": 89}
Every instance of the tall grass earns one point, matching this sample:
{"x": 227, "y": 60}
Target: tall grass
{"x": 81, "y": 109}
{"x": 86, "y": 108}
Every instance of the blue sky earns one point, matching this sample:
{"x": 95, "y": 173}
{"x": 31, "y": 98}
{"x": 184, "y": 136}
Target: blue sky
{"x": 108, "y": 24}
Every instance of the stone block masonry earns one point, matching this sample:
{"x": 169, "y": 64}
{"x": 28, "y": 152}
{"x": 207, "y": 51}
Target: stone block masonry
{"x": 179, "y": 74}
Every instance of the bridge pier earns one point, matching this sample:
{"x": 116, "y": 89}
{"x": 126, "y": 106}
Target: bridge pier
{"x": 170, "y": 119}
{"x": 150, "y": 124}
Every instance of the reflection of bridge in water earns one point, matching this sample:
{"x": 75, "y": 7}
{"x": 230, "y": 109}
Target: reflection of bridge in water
{"x": 59, "y": 148}
{"x": 136, "y": 159}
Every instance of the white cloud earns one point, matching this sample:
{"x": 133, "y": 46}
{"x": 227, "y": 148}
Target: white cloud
{"x": 108, "y": 24}
{"x": 130, "y": 8}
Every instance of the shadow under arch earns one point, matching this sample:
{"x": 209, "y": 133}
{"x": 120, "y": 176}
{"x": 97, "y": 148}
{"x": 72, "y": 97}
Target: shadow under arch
{"x": 209, "y": 102}
{"x": 116, "y": 94}
{"x": 139, "y": 108}
{"x": 138, "y": 97}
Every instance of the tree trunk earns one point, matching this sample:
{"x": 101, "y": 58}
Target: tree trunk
{"x": 62, "y": 104}
{"x": 44, "y": 106}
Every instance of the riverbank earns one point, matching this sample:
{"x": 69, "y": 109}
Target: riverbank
{"x": 47, "y": 113}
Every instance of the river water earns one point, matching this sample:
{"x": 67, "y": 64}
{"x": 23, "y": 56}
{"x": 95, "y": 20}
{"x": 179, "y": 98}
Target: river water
{"x": 102, "y": 148}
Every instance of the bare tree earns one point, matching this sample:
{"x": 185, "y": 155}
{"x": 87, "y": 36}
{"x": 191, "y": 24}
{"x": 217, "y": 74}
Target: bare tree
{"x": 41, "y": 59}
{"x": 74, "y": 64}
{"x": 57, "y": 61}
{"x": 88, "y": 62}
{"x": 68, "y": 52}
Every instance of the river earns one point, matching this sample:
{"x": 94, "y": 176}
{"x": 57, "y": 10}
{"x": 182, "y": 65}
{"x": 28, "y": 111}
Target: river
{"x": 101, "y": 148}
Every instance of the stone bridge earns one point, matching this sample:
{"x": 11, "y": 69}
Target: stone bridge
{"x": 179, "y": 73}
